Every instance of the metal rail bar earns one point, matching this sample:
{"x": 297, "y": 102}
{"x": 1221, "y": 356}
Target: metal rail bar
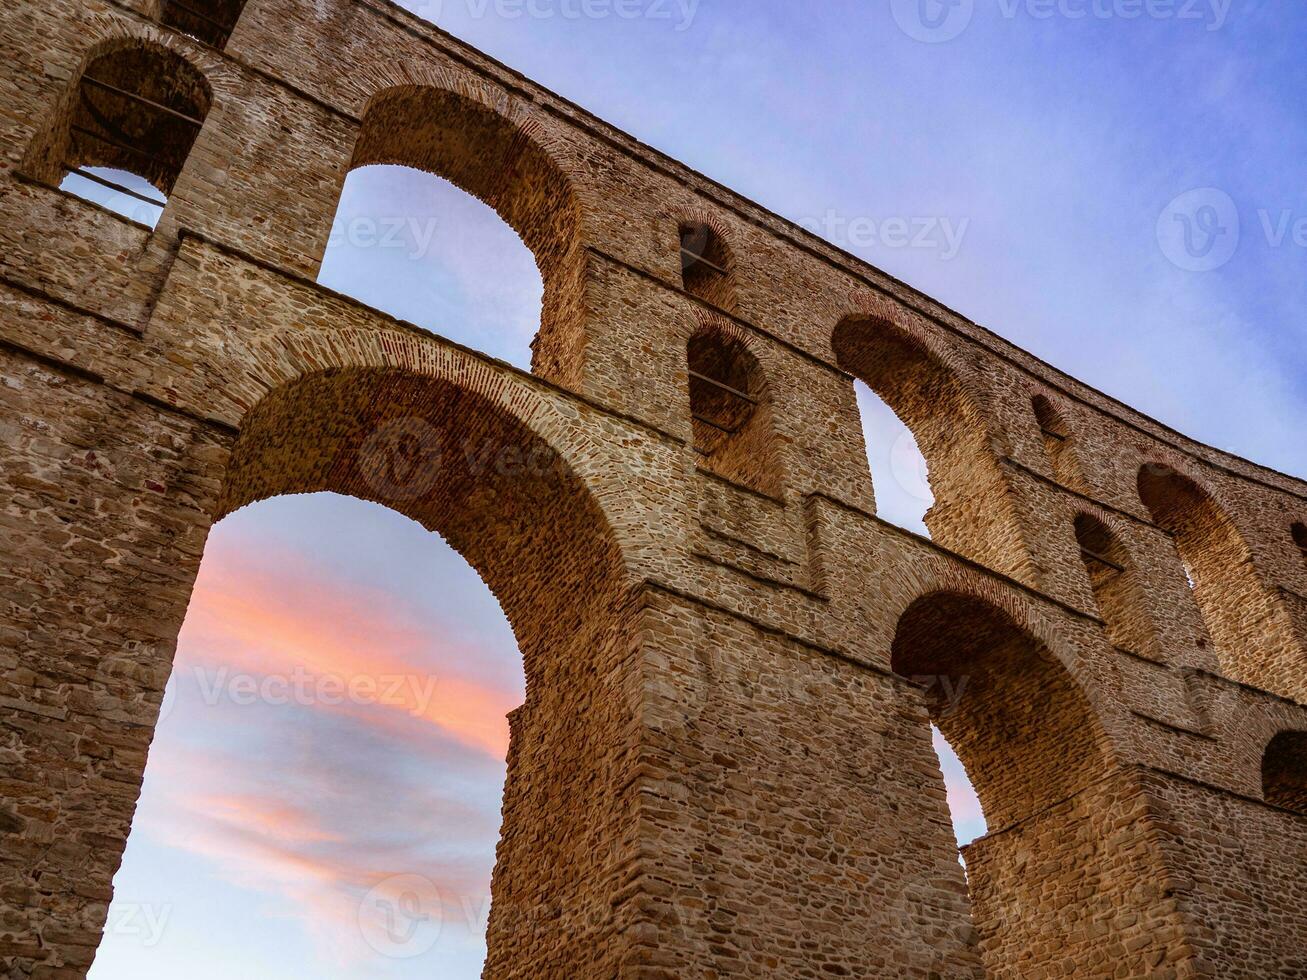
{"x": 687, "y": 253}
{"x": 716, "y": 425}
{"x": 1101, "y": 559}
{"x": 722, "y": 386}
{"x": 96, "y": 179}
{"x": 119, "y": 144}
{"x": 98, "y": 83}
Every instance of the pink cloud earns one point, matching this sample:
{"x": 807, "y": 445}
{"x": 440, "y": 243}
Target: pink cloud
{"x": 315, "y": 860}
{"x": 288, "y": 804}
{"x": 277, "y": 615}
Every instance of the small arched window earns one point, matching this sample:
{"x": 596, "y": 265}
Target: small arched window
{"x": 730, "y": 414}
{"x": 129, "y": 128}
{"x": 1284, "y": 771}
{"x": 1057, "y": 444}
{"x": 210, "y": 21}
{"x": 1299, "y": 532}
{"x": 1116, "y": 588}
{"x": 706, "y": 266}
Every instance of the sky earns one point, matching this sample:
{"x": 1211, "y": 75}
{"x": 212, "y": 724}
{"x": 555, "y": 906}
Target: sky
{"x": 1114, "y": 185}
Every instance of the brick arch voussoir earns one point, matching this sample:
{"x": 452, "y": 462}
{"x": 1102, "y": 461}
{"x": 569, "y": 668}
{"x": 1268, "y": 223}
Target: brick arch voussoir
{"x": 1060, "y": 404}
{"x": 1256, "y": 731}
{"x": 697, "y": 214}
{"x": 375, "y": 85}
{"x": 1166, "y": 459}
{"x": 712, "y": 321}
{"x": 282, "y": 359}
{"x": 867, "y": 305}
{"x": 117, "y": 35}
{"x": 1115, "y": 527}
{"x": 940, "y": 575}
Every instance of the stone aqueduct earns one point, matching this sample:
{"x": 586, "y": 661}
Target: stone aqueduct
{"x": 723, "y": 764}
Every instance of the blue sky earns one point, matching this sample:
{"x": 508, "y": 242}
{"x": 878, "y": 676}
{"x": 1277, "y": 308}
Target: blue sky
{"x": 1062, "y": 152}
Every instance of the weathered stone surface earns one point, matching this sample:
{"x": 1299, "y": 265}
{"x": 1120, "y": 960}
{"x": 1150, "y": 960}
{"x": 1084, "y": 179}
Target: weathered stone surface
{"x": 723, "y": 764}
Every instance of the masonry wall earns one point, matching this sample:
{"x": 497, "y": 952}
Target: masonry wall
{"x": 717, "y": 770}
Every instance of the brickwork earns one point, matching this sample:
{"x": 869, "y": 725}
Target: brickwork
{"x": 723, "y": 764}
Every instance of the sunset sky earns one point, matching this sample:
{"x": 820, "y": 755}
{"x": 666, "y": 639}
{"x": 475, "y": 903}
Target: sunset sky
{"x": 284, "y": 813}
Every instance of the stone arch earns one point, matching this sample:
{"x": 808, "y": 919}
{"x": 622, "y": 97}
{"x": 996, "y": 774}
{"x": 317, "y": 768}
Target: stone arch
{"x": 1036, "y": 753}
{"x": 1059, "y": 444}
{"x": 707, "y": 260}
{"x": 1284, "y": 771}
{"x": 731, "y": 406}
{"x": 1020, "y": 722}
{"x": 1114, "y": 581}
{"x": 974, "y": 513}
{"x": 471, "y": 452}
{"x": 1235, "y": 604}
{"x": 451, "y": 459}
{"x": 503, "y": 157}
{"x": 149, "y": 132}
{"x": 1299, "y": 534}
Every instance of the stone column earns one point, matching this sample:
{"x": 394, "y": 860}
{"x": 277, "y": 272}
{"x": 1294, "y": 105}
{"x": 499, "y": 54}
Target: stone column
{"x": 105, "y": 510}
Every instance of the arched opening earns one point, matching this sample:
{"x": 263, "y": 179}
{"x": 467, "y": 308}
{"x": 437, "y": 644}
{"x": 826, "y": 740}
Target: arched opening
{"x": 504, "y": 165}
{"x": 730, "y": 410}
{"x": 899, "y": 472}
{"x": 1031, "y": 745}
{"x": 124, "y": 132}
{"x": 415, "y": 246}
{"x": 1016, "y": 718}
{"x": 1218, "y": 567}
{"x": 707, "y": 268}
{"x": 455, "y": 462}
{"x": 1284, "y": 772}
{"x": 210, "y": 21}
{"x": 1115, "y": 584}
{"x": 973, "y": 511}
{"x": 337, "y": 718}
{"x": 1299, "y": 534}
{"x": 1058, "y": 444}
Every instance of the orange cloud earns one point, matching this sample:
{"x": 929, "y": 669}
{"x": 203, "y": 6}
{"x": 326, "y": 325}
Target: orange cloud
{"x": 365, "y": 653}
